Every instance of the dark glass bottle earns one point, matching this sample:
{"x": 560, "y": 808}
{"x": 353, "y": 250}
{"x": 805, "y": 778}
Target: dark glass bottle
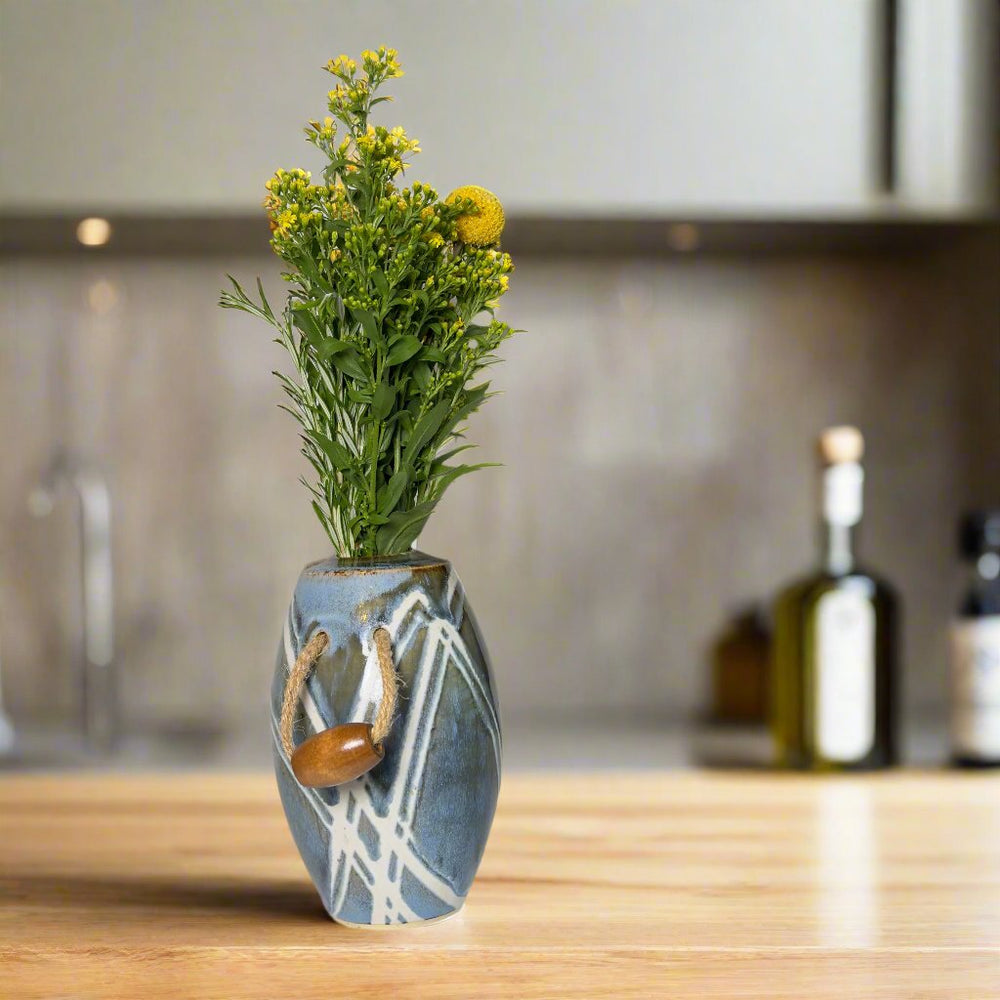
{"x": 975, "y": 647}
{"x": 740, "y": 670}
{"x": 834, "y": 672}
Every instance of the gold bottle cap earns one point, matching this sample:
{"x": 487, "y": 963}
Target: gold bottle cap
{"x": 838, "y": 445}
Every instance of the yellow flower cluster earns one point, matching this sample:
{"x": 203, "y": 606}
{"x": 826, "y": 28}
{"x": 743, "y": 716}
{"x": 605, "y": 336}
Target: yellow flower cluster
{"x": 384, "y": 63}
{"x": 293, "y": 181}
{"x": 288, "y": 201}
{"x": 295, "y": 206}
{"x": 489, "y": 270}
{"x": 322, "y": 134}
{"x": 430, "y": 250}
{"x": 352, "y": 96}
{"x": 342, "y": 66}
{"x": 483, "y": 221}
{"x": 386, "y": 147}
{"x": 352, "y": 99}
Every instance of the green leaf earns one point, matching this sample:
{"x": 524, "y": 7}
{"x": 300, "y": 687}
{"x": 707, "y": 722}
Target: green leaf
{"x": 334, "y": 450}
{"x": 403, "y": 350}
{"x": 421, "y": 376}
{"x": 426, "y": 427}
{"x": 265, "y": 305}
{"x": 370, "y": 327}
{"x": 389, "y": 495}
{"x": 402, "y": 528}
{"x": 321, "y": 515}
{"x": 238, "y": 299}
{"x": 331, "y": 346}
{"x": 434, "y": 355}
{"x": 380, "y": 282}
{"x": 471, "y": 402}
{"x": 308, "y": 267}
{"x": 382, "y": 400}
{"x": 349, "y": 362}
{"x": 446, "y": 476}
{"x": 405, "y": 421}
{"x": 306, "y": 322}
{"x": 440, "y": 461}
{"x": 356, "y": 395}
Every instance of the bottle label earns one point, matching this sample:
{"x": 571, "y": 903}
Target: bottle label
{"x": 845, "y": 676}
{"x": 975, "y": 687}
{"x": 843, "y": 489}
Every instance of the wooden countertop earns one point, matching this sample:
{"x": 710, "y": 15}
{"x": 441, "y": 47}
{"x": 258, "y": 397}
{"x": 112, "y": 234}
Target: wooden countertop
{"x": 679, "y": 885}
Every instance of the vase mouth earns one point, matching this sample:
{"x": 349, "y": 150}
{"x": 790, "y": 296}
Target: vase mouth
{"x": 335, "y": 565}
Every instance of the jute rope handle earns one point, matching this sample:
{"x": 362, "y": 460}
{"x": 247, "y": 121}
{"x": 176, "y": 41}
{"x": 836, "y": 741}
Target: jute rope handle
{"x": 343, "y": 752}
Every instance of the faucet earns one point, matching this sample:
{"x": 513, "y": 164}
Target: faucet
{"x": 98, "y": 677}
{"x": 8, "y": 740}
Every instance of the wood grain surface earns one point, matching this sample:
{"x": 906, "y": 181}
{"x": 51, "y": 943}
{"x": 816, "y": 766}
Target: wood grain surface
{"x": 679, "y": 885}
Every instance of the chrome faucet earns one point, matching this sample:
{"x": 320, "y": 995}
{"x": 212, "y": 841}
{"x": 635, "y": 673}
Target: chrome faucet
{"x": 8, "y": 739}
{"x": 98, "y": 677}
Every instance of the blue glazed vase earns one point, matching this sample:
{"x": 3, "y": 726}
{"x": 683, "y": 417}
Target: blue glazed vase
{"x": 402, "y": 843}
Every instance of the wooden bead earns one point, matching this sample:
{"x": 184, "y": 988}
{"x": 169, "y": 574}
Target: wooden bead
{"x": 336, "y": 755}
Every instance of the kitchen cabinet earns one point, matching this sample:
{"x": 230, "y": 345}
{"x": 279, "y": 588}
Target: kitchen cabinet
{"x": 567, "y": 108}
{"x": 680, "y": 885}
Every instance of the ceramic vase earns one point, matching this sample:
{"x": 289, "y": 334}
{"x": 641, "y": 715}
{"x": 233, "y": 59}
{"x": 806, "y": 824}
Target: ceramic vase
{"x": 402, "y": 843}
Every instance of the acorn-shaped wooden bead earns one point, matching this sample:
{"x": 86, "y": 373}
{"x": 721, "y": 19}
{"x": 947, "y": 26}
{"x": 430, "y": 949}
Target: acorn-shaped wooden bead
{"x": 336, "y": 755}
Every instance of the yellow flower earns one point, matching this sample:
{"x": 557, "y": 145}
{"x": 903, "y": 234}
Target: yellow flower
{"x": 341, "y": 66}
{"x": 484, "y": 226}
{"x": 285, "y": 222}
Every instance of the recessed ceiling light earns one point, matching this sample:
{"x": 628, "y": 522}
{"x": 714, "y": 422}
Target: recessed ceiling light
{"x": 93, "y": 232}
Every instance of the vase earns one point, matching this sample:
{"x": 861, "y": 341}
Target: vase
{"x": 400, "y": 844}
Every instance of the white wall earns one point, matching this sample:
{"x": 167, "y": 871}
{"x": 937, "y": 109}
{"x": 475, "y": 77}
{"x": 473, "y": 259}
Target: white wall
{"x": 564, "y": 106}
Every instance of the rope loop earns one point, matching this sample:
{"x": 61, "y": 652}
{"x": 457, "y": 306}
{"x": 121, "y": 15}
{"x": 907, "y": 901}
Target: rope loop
{"x": 304, "y": 663}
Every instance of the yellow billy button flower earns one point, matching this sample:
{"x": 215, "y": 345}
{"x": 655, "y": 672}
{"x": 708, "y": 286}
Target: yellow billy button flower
{"x": 483, "y": 227}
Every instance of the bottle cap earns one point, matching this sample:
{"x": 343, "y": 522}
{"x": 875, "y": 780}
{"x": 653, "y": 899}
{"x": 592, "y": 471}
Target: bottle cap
{"x": 979, "y": 532}
{"x": 838, "y": 445}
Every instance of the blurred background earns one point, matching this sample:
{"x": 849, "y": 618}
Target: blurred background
{"x": 734, "y": 224}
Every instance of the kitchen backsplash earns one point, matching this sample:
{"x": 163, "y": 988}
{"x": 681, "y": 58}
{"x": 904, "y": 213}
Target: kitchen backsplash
{"x": 647, "y": 493}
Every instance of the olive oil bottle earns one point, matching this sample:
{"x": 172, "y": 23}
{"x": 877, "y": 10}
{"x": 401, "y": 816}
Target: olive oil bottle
{"x": 975, "y": 647}
{"x": 833, "y": 687}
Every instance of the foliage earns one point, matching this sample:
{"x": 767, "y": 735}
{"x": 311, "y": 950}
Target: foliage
{"x": 389, "y": 320}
